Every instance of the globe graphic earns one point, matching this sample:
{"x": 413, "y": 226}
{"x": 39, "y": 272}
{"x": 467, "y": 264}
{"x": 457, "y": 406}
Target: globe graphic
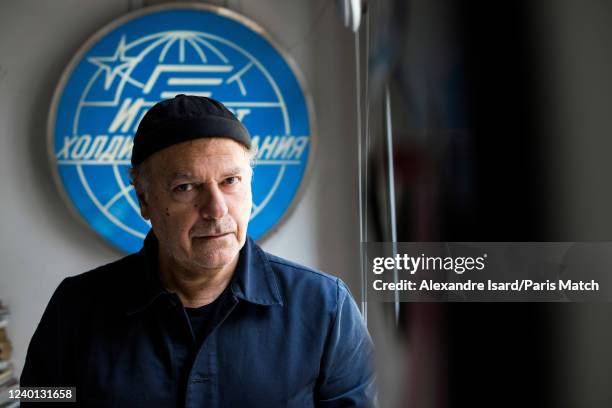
{"x": 135, "y": 73}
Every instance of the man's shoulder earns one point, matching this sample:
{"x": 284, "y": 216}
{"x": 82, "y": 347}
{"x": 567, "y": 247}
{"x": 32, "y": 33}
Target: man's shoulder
{"x": 287, "y": 266}
{"x": 109, "y": 273}
{"x": 106, "y": 283}
{"x": 298, "y": 279}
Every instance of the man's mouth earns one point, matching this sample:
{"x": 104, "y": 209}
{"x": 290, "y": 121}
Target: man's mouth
{"x": 212, "y": 236}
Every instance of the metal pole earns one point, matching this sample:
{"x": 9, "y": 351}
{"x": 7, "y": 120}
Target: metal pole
{"x": 361, "y": 178}
{"x": 391, "y": 194}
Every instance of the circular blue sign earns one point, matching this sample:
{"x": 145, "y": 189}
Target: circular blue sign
{"x": 154, "y": 54}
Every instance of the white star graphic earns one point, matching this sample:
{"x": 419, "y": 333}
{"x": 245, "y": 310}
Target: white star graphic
{"x": 115, "y": 65}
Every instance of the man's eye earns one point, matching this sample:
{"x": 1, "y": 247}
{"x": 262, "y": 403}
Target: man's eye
{"x": 183, "y": 188}
{"x": 231, "y": 180}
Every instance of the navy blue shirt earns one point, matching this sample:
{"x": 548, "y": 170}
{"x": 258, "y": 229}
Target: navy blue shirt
{"x": 282, "y": 336}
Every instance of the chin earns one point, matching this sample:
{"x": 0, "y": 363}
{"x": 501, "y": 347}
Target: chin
{"x": 214, "y": 258}
{"x": 216, "y": 263}
{"x": 215, "y": 253}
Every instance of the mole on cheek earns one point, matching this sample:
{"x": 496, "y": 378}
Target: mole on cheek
{"x": 167, "y": 213}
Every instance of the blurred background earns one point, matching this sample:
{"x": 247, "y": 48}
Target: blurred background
{"x": 437, "y": 120}
{"x": 499, "y": 117}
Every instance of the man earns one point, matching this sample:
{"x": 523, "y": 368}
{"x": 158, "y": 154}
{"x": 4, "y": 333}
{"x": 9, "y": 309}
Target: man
{"x": 201, "y": 316}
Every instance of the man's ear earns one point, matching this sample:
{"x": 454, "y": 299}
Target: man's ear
{"x": 143, "y": 201}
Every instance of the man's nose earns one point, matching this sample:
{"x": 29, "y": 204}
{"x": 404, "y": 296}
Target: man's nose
{"x": 212, "y": 203}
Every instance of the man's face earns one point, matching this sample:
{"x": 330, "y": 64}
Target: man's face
{"x": 199, "y": 201}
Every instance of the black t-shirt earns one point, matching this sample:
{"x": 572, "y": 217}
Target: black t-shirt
{"x": 204, "y": 318}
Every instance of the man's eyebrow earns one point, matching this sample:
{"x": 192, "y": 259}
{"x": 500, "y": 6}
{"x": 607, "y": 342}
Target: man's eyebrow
{"x": 232, "y": 171}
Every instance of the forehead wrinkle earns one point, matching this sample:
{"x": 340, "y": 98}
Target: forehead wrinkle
{"x": 182, "y": 175}
{"x": 207, "y": 160}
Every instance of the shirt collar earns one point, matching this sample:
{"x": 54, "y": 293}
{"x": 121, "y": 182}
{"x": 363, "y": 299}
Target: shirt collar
{"x": 148, "y": 287}
{"x": 254, "y": 279}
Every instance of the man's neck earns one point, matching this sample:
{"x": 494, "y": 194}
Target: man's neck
{"x": 195, "y": 288}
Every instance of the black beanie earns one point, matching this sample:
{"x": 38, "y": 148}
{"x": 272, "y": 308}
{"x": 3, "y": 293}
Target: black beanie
{"x": 184, "y": 118}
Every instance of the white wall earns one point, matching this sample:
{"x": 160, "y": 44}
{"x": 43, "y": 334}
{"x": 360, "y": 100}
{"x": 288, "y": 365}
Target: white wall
{"x": 41, "y": 242}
